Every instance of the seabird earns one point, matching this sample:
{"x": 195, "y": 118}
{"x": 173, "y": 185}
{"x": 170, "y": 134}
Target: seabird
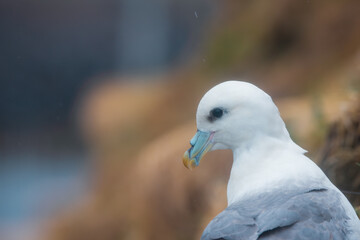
{"x": 274, "y": 190}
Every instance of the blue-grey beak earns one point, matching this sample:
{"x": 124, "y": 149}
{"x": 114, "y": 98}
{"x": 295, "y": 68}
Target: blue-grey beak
{"x": 201, "y": 143}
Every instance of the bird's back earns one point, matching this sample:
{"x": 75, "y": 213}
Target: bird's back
{"x": 286, "y": 214}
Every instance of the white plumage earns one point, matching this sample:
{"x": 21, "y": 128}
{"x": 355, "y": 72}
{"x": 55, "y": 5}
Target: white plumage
{"x": 269, "y": 170}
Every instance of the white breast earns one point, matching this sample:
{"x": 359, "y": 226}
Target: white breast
{"x": 269, "y": 165}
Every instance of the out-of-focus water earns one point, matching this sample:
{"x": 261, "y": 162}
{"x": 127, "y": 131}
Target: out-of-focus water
{"x": 34, "y": 188}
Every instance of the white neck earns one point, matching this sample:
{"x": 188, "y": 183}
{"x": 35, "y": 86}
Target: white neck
{"x": 266, "y": 164}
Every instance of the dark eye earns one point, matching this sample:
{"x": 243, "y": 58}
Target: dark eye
{"x": 216, "y": 113}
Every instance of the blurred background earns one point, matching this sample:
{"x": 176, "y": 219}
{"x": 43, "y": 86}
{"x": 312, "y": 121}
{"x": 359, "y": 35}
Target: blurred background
{"x": 98, "y": 103}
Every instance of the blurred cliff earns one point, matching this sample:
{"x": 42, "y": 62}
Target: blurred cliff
{"x": 117, "y": 83}
{"x": 340, "y": 156}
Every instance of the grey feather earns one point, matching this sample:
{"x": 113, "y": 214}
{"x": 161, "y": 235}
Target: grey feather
{"x": 308, "y": 214}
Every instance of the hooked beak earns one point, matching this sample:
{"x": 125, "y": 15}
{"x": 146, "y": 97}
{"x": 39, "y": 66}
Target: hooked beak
{"x": 201, "y": 143}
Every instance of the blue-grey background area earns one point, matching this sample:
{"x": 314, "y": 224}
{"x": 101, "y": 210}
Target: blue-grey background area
{"x": 49, "y": 52}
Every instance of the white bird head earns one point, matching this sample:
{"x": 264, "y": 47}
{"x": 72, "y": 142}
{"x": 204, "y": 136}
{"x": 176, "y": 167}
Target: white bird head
{"x": 231, "y": 115}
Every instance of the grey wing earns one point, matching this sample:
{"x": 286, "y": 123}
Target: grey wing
{"x": 315, "y": 214}
{"x": 230, "y": 224}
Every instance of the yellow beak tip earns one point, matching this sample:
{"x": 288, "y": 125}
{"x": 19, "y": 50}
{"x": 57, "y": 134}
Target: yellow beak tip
{"x": 188, "y": 163}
